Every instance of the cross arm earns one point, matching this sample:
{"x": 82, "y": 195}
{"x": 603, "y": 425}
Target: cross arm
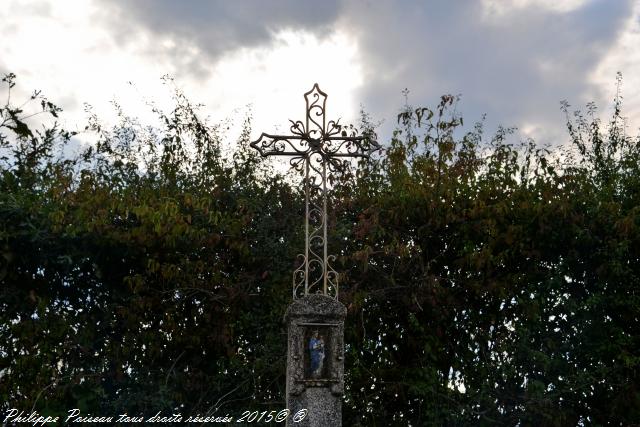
{"x": 350, "y": 146}
{"x": 280, "y": 145}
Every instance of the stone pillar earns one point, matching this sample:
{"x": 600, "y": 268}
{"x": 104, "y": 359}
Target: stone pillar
{"x": 315, "y": 360}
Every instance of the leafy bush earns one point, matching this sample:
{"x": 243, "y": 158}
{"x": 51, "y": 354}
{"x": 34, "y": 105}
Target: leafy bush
{"x": 485, "y": 283}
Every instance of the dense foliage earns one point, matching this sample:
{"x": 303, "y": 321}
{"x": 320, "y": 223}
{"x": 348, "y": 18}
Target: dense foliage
{"x": 485, "y": 283}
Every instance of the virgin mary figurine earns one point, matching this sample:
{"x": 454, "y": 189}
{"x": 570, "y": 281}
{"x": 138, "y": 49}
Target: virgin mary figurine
{"x": 316, "y": 350}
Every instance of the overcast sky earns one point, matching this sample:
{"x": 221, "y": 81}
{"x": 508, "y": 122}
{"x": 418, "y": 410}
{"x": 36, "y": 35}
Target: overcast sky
{"x": 514, "y": 60}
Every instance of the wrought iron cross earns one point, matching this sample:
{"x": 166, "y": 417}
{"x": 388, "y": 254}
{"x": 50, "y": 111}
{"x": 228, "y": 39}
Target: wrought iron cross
{"x": 316, "y": 147}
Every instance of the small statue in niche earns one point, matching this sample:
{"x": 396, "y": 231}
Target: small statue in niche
{"x": 316, "y": 353}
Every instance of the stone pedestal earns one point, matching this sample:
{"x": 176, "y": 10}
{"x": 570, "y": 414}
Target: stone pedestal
{"x": 315, "y": 360}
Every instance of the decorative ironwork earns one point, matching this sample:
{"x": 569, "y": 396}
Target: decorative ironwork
{"x": 316, "y": 148}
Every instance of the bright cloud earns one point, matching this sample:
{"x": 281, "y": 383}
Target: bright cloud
{"x": 273, "y": 78}
{"x": 624, "y": 57}
{"x": 68, "y": 53}
{"x": 58, "y": 49}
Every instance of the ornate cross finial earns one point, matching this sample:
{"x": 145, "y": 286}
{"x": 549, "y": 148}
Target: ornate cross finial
{"x": 315, "y": 146}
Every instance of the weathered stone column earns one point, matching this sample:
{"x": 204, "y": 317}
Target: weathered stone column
{"x": 315, "y": 360}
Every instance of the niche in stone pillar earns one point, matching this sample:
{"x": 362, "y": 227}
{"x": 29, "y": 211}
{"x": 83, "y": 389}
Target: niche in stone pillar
{"x": 317, "y": 341}
{"x": 320, "y": 346}
{"x": 315, "y": 351}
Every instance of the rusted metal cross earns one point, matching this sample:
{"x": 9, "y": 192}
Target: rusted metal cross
{"x": 316, "y": 147}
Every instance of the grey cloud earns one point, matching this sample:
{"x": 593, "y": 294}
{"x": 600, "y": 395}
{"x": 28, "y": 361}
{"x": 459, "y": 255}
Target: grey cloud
{"x": 514, "y": 70}
{"x": 216, "y": 26}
